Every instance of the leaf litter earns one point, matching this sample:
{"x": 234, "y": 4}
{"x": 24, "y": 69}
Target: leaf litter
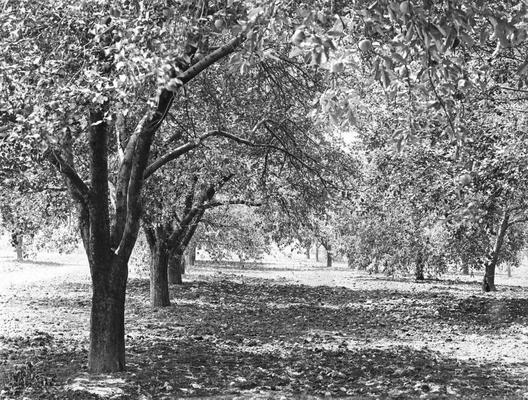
{"x": 240, "y": 335}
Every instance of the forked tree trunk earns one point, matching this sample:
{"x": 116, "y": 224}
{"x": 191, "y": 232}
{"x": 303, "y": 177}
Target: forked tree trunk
{"x": 107, "y": 323}
{"x": 159, "y": 288}
{"x": 488, "y": 283}
{"x": 176, "y": 269}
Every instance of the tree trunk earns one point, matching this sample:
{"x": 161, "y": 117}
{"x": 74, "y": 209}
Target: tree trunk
{"x": 419, "y": 268}
{"x": 192, "y": 255}
{"x": 176, "y": 269}
{"x": 508, "y": 270}
{"x": 488, "y": 283}
{"x": 317, "y": 253}
{"x": 20, "y": 247}
{"x": 107, "y": 323}
{"x": 159, "y": 286}
{"x": 329, "y": 256}
{"x": 308, "y": 252}
{"x": 350, "y": 261}
{"x": 465, "y": 269}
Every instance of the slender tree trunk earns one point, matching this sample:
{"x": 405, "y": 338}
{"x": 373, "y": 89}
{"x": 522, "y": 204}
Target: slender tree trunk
{"x": 508, "y": 270}
{"x": 329, "y": 256}
{"x": 488, "y": 283}
{"x": 192, "y": 255}
{"x": 176, "y": 268}
{"x": 159, "y": 286}
{"x": 20, "y": 247}
{"x": 419, "y": 268}
{"x": 317, "y": 253}
{"x": 465, "y": 269}
{"x": 307, "y": 248}
{"x": 107, "y": 324}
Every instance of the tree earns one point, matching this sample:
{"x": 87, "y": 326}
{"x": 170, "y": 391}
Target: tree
{"x": 95, "y": 63}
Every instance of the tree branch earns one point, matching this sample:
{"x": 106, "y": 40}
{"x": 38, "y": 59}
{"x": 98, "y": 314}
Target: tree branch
{"x": 185, "y": 148}
{"x": 248, "y": 203}
{"x": 123, "y": 180}
{"x": 79, "y": 189}
{"x": 146, "y": 131}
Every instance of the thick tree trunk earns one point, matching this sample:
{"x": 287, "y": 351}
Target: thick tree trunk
{"x": 176, "y": 269}
{"x": 308, "y": 252}
{"x": 107, "y": 324}
{"x": 488, "y": 283}
{"x": 159, "y": 286}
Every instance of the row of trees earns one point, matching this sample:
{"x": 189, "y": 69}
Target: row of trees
{"x": 389, "y": 131}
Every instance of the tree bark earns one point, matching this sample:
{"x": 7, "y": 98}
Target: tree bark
{"x": 317, "y": 253}
{"x": 419, "y": 268}
{"x": 159, "y": 287}
{"x": 159, "y": 259}
{"x": 192, "y": 255}
{"x": 465, "y": 269}
{"x": 176, "y": 268}
{"x": 488, "y": 283}
{"x": 107, "y": 323}
{"x": 329, "y": 256}
{"x": 20, "y": 247}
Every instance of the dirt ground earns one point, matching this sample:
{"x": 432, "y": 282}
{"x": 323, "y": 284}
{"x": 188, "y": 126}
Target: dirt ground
{"x": 282, "y": 330}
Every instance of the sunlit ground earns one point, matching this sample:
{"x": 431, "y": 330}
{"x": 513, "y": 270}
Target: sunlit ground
{"x": 290, "y": 328}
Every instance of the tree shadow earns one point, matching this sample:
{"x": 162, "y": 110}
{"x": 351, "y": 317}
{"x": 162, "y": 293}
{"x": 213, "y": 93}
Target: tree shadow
{"x": 324, "y": 307}
{"x": 229, "y": 338}
{"x": 205, "y": 367}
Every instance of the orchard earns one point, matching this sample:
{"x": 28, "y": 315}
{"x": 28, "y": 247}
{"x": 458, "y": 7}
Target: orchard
{"x": 263, "y": 199}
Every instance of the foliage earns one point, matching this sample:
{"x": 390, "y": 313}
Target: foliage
{"x": 234, "y": 230}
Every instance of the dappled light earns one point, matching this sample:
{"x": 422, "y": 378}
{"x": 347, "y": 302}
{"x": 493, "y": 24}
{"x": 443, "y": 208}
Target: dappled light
{"x": 250, "y": 199}
{"x": 233, "y": 334}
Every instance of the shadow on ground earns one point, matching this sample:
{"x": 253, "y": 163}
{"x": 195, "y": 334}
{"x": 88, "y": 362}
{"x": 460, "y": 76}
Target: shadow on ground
{"x": 257, "y": 338}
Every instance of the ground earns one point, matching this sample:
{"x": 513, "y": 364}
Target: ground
{"x": 267, "y": 331}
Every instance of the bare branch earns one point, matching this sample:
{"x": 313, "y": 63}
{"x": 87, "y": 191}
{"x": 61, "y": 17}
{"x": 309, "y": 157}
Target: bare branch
{"x": 185, "y": 148}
